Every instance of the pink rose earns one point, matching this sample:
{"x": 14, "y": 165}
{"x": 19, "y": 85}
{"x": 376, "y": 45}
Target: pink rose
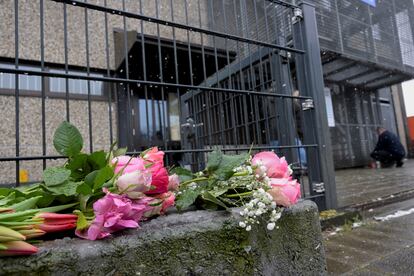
{"x": 112, "y": 213}
{"x": 134, "y": 184}
{"x": 159, "y": 179}
{"x": 274, "y": 166}
{"x": 173, "y": 182}
{"x": 285, "y": 191}
{"x": 160, "y": 203}
{"x": 153, "y": 155}
{"x": 128, "y": 164}
{"x": 168, "y": 201}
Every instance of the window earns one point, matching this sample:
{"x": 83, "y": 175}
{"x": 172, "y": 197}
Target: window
{"x": 8, "y": 81}
{"x": 76, "y": 86}
{"x": 54, "y": 86}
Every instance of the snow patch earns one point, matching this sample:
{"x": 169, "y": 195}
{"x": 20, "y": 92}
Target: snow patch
{"x": 399, "y": 213}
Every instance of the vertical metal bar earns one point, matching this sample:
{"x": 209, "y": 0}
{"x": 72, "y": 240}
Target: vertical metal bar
{"x": 16, "y": 78}
{"x": 241, "y": 74}
{"x": 229, "y": 75}
{"x": 255, "y": 113}
{"x": 220, "y": 120}
{"x": 88, "y": 81}
{"x": 312, "y": 84}
{"x": 166, "y": 125}
{"x": 42, "y": 65}
{"x": 207, "y": 93}
{"x": 130, "y": 140}
{"x": 65, "y": 38}
{"x": 108, "y": 74}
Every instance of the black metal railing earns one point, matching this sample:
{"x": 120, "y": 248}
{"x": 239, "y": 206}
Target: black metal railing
{"x": 186, "y": 76}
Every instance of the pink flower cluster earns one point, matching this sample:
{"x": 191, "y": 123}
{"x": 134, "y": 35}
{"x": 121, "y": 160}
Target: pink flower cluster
{"x": 285, "y": 190}
{"x": 144, "y": 189}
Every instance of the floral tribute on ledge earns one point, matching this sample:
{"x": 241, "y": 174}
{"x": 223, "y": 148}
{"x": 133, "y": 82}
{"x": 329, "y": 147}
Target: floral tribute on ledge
{"x": 97, "y": 194}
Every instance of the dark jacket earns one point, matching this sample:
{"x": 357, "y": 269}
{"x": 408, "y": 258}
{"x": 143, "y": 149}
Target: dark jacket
{"x": 388, "y": 141}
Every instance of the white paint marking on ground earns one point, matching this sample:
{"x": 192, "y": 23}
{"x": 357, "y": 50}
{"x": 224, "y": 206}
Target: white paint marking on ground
{"x": 399, "y": 213}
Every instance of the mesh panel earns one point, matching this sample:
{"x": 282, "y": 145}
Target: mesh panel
{"x": 381, "y": 34}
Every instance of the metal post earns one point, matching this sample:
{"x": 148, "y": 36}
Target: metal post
{"x": 310, "y": 82}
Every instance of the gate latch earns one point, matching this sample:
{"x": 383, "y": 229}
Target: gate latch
{"x": 297, "y": 15}
{"x": 318, "y": 187}
{"x": 308, "y": 104}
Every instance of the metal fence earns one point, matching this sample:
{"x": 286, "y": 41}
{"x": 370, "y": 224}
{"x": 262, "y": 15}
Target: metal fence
{"x": 186, "y": 75}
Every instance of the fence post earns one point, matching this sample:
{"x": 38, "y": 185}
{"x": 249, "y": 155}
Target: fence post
{"x": 310, "y": 83}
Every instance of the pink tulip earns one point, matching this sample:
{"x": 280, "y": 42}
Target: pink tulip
{"x": 274, "y": 166}
{"x": 54, "y": 222}
{"x": 155, "y": 156}
{"x": 17, "y": 248}
{"x": 285, "y": 192}
{"x": 128, "y": 164}
{"x": 173, "y": 182}
{"x": 134, "y": 184}
{"x": 112, "y": 213}
{"x": 159, "y": 179}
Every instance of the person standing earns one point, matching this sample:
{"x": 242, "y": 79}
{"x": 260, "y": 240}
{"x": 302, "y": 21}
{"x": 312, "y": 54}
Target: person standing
{"x": 389, "y": 150}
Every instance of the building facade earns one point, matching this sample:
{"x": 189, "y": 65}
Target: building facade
{"x": 366, "y": 51}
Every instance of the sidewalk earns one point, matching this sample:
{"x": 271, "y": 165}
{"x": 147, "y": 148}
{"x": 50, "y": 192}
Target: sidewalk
{"x": 356, "y": 186}
{"x": 375, "y": 247}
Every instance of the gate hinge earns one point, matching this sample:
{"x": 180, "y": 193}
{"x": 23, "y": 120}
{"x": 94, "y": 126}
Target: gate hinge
{"x": 308, "y": 104}
{"x": 297, "y": 15}
{"x": 318, "y": 187}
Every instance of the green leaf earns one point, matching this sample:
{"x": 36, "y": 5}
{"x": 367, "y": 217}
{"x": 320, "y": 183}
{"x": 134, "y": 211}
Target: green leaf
{"x": 77, "y": 161}
{"x": 187, "y": 198}
{"x": 83, "y": 201}
{"x": 67, "y": 188}
{"x": 228, "y": 163}
{"x": 27, "y": 204}
{"x": 81, "y": 223}
{"x": 183, "y": 174}
{"x": 90, "y": 178}
{"x": 119, "y": 152}
{"x": 18, "y": 216}
{"x": 102, "y": 176}
{"x": 55, "y": 175}
{"x": 7, "y": 199}
{"x": 58, "y": 208}
{"x": 67, "y": 139}
{"x": 97, "y": 160}
{"x": 214, "y": 160}
{"x": 5, "y": 191}
{"x": 209, "y": 197}
{"x": 84, "y": 189}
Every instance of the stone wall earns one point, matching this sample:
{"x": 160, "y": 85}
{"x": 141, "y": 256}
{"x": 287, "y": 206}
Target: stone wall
{"x": 30, "y": 131}
{"x": 54, "y": 50}
{"x": 193, "y": 243}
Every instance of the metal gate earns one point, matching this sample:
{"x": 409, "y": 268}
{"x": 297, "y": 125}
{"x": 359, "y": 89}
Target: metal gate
{"x": 185, "y": 75}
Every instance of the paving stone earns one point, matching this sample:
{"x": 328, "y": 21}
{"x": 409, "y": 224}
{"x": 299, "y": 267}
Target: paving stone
{"x": 364, "y": 184}
{"x": 336, "y": 267}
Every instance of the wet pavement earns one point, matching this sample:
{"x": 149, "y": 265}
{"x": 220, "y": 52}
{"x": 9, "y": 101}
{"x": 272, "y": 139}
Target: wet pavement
{"x": 375, "y": 247}
{"x": 356, "y": 186}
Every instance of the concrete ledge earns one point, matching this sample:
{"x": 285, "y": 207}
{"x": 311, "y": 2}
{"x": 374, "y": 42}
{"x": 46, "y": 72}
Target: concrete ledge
{"x": 193, "y": 243}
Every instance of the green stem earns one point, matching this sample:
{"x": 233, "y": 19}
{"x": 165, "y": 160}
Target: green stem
{"x": 240, "y": 195}
{"x": 243, "y": 173}
{"x": 199, "y": 179}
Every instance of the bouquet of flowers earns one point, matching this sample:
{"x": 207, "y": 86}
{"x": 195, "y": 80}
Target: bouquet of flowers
{"x": 105, "y": 192}
{"x": 261, "y": 185}
{"x": 102, "y": 192}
